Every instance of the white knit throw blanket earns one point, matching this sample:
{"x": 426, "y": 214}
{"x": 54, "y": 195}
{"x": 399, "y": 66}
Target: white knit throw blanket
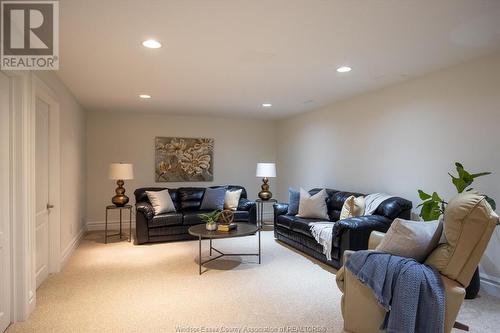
{"x": 322, "y": 232}
{"x": 372, "y": 201}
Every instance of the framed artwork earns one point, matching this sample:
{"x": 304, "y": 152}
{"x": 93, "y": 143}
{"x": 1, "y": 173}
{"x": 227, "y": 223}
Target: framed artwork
{"x": 184, "y": 159}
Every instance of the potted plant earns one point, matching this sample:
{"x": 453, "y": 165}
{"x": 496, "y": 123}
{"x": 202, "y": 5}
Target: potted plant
{"x": 433, "y": 206}
{"x": 210, "y": 219}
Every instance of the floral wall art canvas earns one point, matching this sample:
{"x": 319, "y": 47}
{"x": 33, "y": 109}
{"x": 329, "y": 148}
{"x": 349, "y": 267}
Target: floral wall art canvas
{"x": 184, "y": 159}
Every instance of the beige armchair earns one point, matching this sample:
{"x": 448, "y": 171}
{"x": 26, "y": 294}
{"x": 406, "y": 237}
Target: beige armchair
{"x": 468, "y": 225}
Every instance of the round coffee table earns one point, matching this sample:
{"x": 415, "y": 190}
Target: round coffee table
{"x": 242, "y": 229}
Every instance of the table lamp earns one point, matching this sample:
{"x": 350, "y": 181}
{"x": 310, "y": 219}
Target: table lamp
{"x": 265, "y": 170}
{"x": 120, "y": 172}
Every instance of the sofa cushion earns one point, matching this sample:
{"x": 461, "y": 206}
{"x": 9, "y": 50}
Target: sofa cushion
{"x": 241, "y": 215}
{"x": 192, "y": 218}
{"x": 301, "y": 225}
{"x": 162, "y": 220}
{"x": 213, "y": 199}
{"x": 238, "y": 187}
{"x": 190, "y": 197}
{"x": 336, "y": 203}
{"x": 353, "y": 207}
{"x": 411, "y": 239}
{"x": 293, "y": 201}
{"x": 313, "y": 206}
{"x": 161, "y": 201}
{"x": 297, "y": 224}
{"x": 231, "y": 199}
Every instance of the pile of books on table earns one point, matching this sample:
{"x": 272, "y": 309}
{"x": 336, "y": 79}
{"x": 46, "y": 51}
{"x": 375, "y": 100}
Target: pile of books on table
{"x": 226, "y": 227}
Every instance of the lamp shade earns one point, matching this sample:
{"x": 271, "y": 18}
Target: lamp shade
{"x": 121, "y": 171}
{"x": 266, "y": 170}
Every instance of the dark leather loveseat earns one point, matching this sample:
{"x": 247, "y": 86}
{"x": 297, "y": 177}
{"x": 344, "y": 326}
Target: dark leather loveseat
{"x": 174, "y": 226}
{"x": 348, "y": 234}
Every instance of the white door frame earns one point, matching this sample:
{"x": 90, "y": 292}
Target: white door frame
{"x": 25, "y": 87}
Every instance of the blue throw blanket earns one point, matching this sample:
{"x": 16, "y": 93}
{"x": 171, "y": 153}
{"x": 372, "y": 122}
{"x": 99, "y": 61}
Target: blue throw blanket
{"x": 410, "y": 292}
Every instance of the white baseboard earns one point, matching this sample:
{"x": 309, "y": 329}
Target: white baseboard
{"x": 68, "y": 251}
{"x": 490, "y": 286}
{"x": 99, "y": 225}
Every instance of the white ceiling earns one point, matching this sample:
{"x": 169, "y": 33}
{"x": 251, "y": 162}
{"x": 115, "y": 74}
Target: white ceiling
{"x": 227, "y": 57}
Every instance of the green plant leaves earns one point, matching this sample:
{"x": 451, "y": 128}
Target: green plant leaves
{"x": 211, "y": 217}
{"x": 433, "y": 205}
{"x": 423, "y": 195}
{"x": 475, "y": 175}
{"x": 464, "y": 178}
{"x": 430, "y": 210}
{"x": 435, "y": 197}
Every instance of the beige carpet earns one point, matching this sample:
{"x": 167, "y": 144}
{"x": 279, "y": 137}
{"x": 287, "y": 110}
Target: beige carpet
{"x": 120, "y": 287}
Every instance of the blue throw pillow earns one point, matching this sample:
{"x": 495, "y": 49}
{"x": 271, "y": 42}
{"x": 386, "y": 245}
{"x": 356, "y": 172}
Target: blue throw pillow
{"x": 213, "y": 199}
{"x": 293, "y": 201}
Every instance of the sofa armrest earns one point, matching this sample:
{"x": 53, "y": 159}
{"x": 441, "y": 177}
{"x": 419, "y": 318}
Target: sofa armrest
{"x": 245, "y": 204}
{"x": 146, "y": 209}
{"x": 375, "y": 239}
{"x": 280, "y": 208}
{"x": 366, "y": 223}
{"x": 353, "y": 233}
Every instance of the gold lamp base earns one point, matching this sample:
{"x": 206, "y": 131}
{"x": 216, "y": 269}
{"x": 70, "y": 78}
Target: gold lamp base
{"x": 120, "y": 199}
{"x": 265, "y": 194}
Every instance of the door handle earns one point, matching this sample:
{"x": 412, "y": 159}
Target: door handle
{"x": 49, "y": 206}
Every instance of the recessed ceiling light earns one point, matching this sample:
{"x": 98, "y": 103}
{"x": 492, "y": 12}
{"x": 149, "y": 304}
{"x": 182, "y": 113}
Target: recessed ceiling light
{"x": 267, "y": 105}
{"x": 151, "y": 44}
{"x": 344, "y": 69}
{"x": 144, "y": 96}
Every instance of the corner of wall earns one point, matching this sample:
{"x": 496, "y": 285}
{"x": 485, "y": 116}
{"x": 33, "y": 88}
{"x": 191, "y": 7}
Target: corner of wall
{"x": 72, "y": 246}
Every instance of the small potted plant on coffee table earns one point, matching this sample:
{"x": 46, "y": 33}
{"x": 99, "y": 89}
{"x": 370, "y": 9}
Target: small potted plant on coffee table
{"x": 210, "y": 219}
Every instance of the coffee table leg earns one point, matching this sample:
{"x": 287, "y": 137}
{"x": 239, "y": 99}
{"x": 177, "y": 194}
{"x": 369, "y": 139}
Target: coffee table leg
{"x": 199, "y": 253}
{"x": 210, "y": 246}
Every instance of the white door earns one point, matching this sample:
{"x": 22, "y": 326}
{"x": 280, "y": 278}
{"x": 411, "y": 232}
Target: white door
{"x": 5, "y": 263}
{"x": 42, "y": 190}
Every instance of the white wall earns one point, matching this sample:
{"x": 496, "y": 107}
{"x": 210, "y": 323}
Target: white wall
{"x": 129, "y": 137}
{"x": 402, "y": 138}
{"x": 73, "y": 182}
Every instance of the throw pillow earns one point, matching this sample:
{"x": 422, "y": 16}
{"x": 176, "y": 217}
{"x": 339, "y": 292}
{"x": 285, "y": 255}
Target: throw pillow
{"x": 353, "y": 207}
{"x": 313, "y": 206}
{"x": 293, "y": 201}
{"x": 161, "y": 201}
{"x": 411, "y": 239}
{"x": 213, "y": 199}
{"x": 231, "y": 200}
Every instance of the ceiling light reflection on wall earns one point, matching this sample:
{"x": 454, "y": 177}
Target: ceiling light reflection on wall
{"x": 266, "y": 105}
{"x": 145, "y": 96}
